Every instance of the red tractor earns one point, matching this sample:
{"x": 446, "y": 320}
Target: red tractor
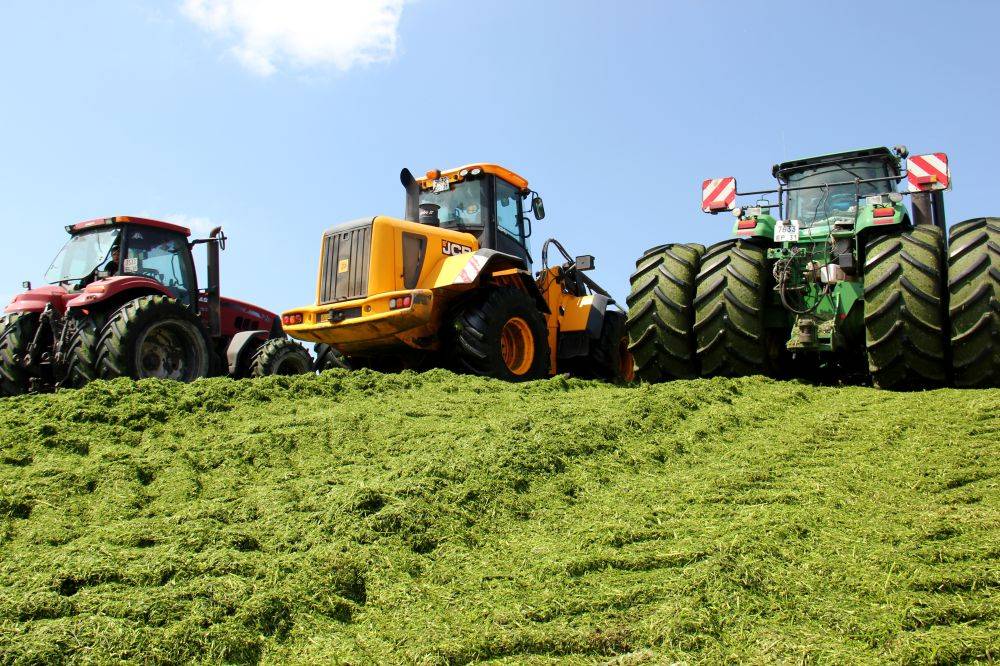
{"x": 123, "y": 301}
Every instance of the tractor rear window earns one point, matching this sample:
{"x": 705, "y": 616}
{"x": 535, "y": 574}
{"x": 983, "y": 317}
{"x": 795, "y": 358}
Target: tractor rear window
{"x": 83, "y": 254}
{"x": 826, "y": 204}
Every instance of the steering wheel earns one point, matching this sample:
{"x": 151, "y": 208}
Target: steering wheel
{"x": 153, "y": 274}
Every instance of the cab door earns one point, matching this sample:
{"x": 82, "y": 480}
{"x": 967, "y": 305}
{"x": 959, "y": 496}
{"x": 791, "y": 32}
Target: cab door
{"x": 508, "y": 214}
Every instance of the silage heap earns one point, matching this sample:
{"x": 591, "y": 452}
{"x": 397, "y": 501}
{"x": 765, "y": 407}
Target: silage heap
{"x": 445, "y": 519}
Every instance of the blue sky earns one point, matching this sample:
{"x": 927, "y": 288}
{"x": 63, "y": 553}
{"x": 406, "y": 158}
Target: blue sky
{"x": 280, "y": 119}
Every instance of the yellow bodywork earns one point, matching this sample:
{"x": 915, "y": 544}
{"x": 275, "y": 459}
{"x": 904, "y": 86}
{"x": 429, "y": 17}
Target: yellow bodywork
{"x": 377, "y": 327}
{"x": 451, "y": 267}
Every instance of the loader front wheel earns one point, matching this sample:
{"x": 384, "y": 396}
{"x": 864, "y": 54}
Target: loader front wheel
{"x": 280, "y": 357}
{"x": 609, "y": 358}
{"x": 660, "y": 322}
{"x": 153, "y": 336}
{"x": 328, "y": 358}
{"x": 17, "y": 334}
{"x": 974, "y": 289}
{"x": 503, "y": 335}
{"x": 905, "y": 320}
{"x": 729, "y": 310}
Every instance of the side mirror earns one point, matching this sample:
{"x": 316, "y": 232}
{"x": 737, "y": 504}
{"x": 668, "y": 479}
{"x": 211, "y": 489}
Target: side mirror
{"x": 718, "y": 194}
{"x": 585, "y": 262}
{"x": 537, "y": 207}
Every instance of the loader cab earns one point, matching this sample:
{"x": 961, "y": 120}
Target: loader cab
{"x": 874, "y": 171}
{"x": 484, "y": 200}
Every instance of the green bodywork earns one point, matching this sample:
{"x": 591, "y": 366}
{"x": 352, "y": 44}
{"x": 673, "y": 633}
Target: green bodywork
{"x": 825, "y": 317}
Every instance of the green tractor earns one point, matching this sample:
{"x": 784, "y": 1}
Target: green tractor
{"x": 828, "y": 276}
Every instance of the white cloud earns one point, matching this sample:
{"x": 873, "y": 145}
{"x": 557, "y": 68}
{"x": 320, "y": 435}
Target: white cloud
{"x": 267, "y": 34}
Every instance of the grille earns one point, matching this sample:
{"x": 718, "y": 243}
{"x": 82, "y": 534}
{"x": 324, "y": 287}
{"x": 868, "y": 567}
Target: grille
{"x": 347, "y": 246}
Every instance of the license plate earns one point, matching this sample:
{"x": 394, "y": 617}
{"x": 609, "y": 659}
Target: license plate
{"x": 786, "y": 231}
{"x": 441, "y": 185}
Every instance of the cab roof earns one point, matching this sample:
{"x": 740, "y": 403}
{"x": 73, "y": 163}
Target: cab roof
{"x": 829, "y": 158}
{"x": 128, "y": 219}
{"x": 495, "y": 169}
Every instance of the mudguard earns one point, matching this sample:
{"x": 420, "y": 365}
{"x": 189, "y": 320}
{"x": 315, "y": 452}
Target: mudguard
{"x": 109, "y": 288}
{"x": 467, "y": 268}
{"x": 241, "y": 343}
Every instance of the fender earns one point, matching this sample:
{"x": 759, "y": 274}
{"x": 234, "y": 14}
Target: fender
{"x": 241, "y": 343}
{"x": 595, "y": 318}
{"x": 470, "y": 267}
{"x": 109, "y": 288}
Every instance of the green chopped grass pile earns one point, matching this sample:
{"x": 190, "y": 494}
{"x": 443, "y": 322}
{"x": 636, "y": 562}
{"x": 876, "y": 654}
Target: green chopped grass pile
{"x": 432, "y": 518}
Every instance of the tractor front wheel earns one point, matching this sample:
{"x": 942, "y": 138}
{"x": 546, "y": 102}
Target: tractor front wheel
{"x": 17, "y": 334}
{"x": 153, "y": 336}
{"x": 81, "y": 352}
{"x": 280, "y": 357}
{"x": 503, "y": 335}
{"x": 974, "y": 288}
{"x": 905, "y": 316}
{"x": 729, "y": 310}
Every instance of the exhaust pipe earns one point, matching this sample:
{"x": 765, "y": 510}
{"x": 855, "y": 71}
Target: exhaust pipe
{"x": 412, "y": 212}
{"x": 217, "y": 242}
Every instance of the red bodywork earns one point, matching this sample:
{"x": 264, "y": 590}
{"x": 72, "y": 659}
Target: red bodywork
{"x": 236, "y": 315}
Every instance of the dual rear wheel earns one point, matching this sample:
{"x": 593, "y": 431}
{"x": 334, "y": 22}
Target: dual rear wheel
{"x": 696, "y": 311}
{"x": 930, "y": 317}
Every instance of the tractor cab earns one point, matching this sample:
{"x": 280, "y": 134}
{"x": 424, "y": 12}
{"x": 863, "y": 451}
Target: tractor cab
{"x": 485, "y": 200}
{"x": 828, "y": 189}
{"x": 120, "y": 246}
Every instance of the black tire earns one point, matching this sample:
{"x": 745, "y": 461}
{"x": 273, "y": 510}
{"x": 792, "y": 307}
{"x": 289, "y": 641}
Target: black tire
{"x": 729, "y": 310}
{"x": 328, "y": 358}
{"x": 974, "y": 301}
{"x": 280, "y": 356}
{"x": 17, "y": 334}
{"x": 480, "y": 328}
{"x": 80, "y": 357}
{"x": 175, "y": 345}
{"x": 660, "y": 321}
{"x": 905, "y": 322}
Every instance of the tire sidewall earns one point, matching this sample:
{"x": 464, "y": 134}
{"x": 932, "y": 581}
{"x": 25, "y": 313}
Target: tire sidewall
{"x": 506, "y": 310}
{"x": 198, "y": 348}
{"x": 123, "y": 352}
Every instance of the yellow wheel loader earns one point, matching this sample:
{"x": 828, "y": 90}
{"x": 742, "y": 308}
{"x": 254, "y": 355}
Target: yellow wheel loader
{"x": 452, "y": 285}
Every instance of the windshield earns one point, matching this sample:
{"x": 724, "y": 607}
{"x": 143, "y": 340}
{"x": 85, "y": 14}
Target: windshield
{"x": 461, "y": 207}
{"x": 838, "y": 201}
{"x": 82, "y": 255}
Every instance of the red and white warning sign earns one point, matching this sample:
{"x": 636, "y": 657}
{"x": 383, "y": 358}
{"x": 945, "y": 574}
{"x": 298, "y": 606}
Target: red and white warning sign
{"x": 718, "y": 194}
{"x": 926, "y": 173}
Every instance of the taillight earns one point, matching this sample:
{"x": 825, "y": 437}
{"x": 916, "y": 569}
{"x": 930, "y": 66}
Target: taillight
{"x": 400, "y": 302}
{"x": 292, "y": 319}
{"x": 884, "y": 212}
{"x": 747, "y": 224}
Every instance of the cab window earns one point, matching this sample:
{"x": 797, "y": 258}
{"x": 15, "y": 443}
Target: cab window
{"x": 508, "y": 211}
{"x": 163, "y": 256}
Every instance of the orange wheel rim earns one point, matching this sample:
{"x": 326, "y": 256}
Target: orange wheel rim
{"x": 517, "y": 346}
{"x": 626, "y": 364}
